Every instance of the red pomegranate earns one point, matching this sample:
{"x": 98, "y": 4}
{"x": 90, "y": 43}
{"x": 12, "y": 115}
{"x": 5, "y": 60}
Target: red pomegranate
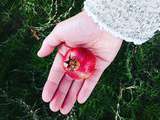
{"x": 79, "y": 63}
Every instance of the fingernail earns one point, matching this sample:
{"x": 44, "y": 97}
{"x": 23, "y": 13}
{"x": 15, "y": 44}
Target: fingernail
{"x": 39, "y": 54}
{"x": 53, "y": 107}
{"x": 81, "y": 100}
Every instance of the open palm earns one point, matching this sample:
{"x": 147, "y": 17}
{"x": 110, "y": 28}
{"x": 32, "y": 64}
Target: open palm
{"x": 79, "y": 31}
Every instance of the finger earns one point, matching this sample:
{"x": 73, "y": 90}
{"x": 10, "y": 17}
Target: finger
{"x": 60, "y": 94}
{"x": 71, "y": 97}
{"x": 48, "y": 45}
{"x": 91, "y": 82}
{"x": 88, "y": 87}
{"x": 55, "y": 75}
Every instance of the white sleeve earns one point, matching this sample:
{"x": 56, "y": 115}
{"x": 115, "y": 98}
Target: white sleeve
{"x": 132, "y": 20}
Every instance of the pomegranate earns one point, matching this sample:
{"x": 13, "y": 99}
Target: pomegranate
{"x": 79, "y": 63}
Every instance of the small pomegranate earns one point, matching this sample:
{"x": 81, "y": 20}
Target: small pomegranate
{"x": 79, "y": 63}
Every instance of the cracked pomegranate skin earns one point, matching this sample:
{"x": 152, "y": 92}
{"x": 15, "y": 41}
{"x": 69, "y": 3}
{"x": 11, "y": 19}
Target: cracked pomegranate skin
{"x": 79, "y": 63}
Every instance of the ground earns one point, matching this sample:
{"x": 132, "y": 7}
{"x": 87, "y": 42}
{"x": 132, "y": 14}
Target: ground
{"x": 128, "y": 90}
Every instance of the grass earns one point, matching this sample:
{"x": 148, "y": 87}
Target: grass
{"x": 128, "y": 90}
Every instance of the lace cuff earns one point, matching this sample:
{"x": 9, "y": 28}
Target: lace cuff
{"x": 131, "y": 20}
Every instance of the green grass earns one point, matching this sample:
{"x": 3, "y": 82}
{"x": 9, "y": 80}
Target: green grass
{"x": 128, "y": 90}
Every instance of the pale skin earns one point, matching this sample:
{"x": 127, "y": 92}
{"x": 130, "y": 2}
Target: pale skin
{"x": 60, "y": 90}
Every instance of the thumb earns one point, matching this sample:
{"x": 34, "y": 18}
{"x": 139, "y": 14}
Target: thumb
{"x": 48, "y": 45}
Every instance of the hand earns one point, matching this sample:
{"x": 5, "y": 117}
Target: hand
{"x": 79, "y": 31}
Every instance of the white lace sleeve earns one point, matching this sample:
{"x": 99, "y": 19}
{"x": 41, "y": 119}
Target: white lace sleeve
{"x": 131, "y": 20}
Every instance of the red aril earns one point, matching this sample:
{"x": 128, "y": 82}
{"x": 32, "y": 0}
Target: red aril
{"x": 79, "y": 63}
